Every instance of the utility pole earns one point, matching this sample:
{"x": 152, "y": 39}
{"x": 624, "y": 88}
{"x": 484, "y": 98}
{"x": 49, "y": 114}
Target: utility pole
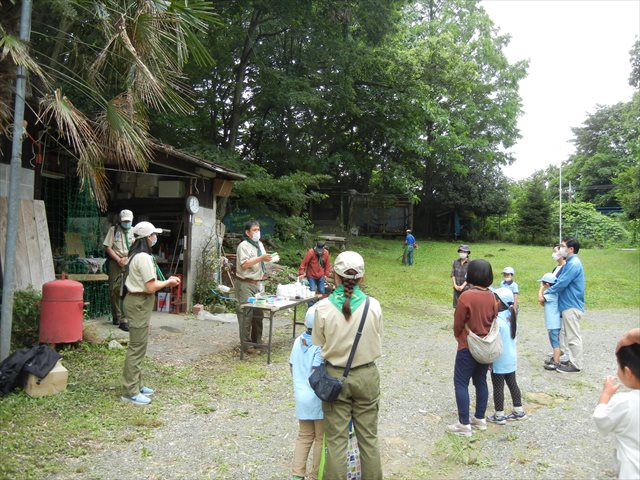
{"x": 560, "y": 195}
{"x": 14, "y": 185}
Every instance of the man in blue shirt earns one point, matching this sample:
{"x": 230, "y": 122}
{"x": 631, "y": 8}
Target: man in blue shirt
{"x": 410, "y": 244}
{"x": 570, "y": 290}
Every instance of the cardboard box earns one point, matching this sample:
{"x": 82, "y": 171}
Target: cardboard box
{"x": 54, "y": 382}
{"x": 164, "y": 302}
{"x": 171, "y": 189}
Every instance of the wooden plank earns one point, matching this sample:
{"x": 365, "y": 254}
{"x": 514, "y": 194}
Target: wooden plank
{"x": 86, "y": 277}
{"x": 22, "y": 274}
{"x": 46, "y": 255}
{"x": 32, "y": 246}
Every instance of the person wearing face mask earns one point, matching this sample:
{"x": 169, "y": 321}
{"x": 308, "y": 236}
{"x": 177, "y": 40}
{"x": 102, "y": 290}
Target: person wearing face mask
{"x": 251, "y": 258}
{"x": 143, "y": 280}
{"x": 570, "y": 289}
{"x": 116, "y": 244}
{"x": 508, "y": 282}
{"x": 459, "y": 272}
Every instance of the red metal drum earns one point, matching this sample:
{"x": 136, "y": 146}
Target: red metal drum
{"x": 61, "y": 311}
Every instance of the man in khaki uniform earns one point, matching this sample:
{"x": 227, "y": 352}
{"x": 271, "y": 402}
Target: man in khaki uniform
{"x": 116, "y": 244}
{"x": 251, "y": 257}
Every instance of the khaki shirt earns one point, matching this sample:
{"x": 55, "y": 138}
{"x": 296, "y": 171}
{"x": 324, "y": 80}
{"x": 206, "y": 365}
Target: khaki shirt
{"x": 336, "y": 335}
{"x": 245, "y": 252}
{"x": 116, "y": 240}
{"x": 142, "y": 269}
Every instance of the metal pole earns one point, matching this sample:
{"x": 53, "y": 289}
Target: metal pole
{"x": 560, "y": 195}
{"x": 14, "y": 185}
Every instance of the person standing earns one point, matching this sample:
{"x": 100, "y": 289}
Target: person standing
{"x": 409, "y": 247}
{"x": 142, "y": 283}
{"x": 334, "y": 329}
{"x": 305, "y": 358}
{"x": 570, "y": 289}
{"x": 459, "y": 272}
{"x": 316, "y": 267}
{"x": 251, "y": 257}
{"x": 476, "y": 309}
{"x": 116, "y": 244}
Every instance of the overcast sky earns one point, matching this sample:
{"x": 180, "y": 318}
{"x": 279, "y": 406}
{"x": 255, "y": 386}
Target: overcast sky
{"x": 578, "y": 52}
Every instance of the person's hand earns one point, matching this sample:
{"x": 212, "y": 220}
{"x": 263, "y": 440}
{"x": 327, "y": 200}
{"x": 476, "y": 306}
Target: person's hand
{"x": 122, "y": 261}
{"x": 609, "y": 388}
{"x": 266, "y": 257}
{"x": 541, "y": 299}
{"x": 173, "y": 281}
{"x": 629, "y": 338}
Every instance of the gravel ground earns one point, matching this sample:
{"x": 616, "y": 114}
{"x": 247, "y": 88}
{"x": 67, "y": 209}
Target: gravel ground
{"x": 253, "y": 438}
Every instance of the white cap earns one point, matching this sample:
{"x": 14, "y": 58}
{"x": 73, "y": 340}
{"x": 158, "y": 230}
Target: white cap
{"x": 505, "y": 295}
{"x": 144, "y": 229}
{"x": 509, "y": 270}
{"x": 548, "y": 278}
{"x": 311, "y": 313}
{"x": 349, "y": 261}
{"x": 126, "y": 216}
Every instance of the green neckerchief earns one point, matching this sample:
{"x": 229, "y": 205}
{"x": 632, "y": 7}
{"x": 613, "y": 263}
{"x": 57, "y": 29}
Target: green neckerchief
{"x": 338, "y": 298}
{"x": 158, "y": 271}
{"x": 320, "y": 255}
{"x": 257, "y": 245}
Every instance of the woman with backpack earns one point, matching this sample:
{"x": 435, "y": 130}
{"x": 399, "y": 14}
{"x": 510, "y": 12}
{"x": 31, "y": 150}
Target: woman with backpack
{"x": 142, "y": 283}
{"x": 476, "y": 309}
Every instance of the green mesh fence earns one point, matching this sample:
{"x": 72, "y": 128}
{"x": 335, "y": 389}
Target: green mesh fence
{"x": 76, "y": 236}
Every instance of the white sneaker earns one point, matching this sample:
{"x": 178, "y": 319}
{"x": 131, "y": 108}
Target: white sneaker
{"x": 460, "y": 429}
{"x": 478, "y": 423}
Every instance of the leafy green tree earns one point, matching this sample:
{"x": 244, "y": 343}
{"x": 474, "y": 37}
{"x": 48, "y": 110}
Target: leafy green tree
{"x": 534, "y": 213}
{"x": 98, "y": 68}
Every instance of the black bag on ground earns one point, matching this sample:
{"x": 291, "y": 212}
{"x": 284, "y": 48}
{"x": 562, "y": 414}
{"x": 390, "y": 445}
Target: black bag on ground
{"x": 38, "y": 360}
{"x": 328, "y": 388}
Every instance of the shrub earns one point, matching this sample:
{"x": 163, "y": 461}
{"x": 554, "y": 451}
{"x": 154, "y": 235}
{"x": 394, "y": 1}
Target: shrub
{"x": 26, "y": 318}
{"x": 593, "y": 229}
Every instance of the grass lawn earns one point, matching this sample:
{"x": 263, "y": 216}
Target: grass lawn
{"x": 36, "y": 433}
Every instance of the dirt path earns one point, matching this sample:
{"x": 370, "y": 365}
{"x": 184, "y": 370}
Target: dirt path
{"x": 252, "y": 436}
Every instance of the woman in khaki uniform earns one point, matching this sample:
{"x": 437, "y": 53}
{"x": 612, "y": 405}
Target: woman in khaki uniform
{"x": 334, "y": 329}
{"x": 142, "y": 283}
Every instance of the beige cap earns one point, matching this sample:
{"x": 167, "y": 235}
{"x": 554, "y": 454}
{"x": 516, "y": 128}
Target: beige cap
{"x": 126, "y": 216}
{"x": 349, "y": 261}
{"x": 144, "y": 229}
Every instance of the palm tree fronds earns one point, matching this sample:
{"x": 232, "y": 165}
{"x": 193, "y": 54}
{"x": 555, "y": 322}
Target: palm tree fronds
{"x": 11, "y": 46}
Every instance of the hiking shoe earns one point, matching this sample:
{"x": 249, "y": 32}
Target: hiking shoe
{"x": 551, "y": 366}
{"x": 147, "y": 391}
{"x": 567, "y": 368}
{"x": 564, "y": 358}
{"x": 517, "y": 416}
{"x": 124, "y": 327}
{"x": 139, "y": 399}
{"x": 499, "y": 419}
{"x": 459, "y": 429}
{"x": 478, "y": 423}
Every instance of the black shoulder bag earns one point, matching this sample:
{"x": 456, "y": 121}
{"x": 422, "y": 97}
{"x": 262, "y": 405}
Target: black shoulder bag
{"x": 328, "y": 388}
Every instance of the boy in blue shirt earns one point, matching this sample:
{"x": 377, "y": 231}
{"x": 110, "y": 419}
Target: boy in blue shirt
{"x": 304, "y": 358}
{"x": 507, "y": 282}
{"x": 552, "y": 320}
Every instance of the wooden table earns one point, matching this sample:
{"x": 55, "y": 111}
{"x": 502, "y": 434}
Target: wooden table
{"x": 272, "y": 309}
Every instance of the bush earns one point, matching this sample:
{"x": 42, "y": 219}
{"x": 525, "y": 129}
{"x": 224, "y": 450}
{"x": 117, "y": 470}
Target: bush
{"x": 593, "y": 229}
{"x": 26, "y": 318}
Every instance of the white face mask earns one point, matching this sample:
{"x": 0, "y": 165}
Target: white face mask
{"x": 463, "y": 255}
{"x": 256, "y": 236}
{"x": 555, "y": 256}
{"x": 564, "y": 252}
{"x": 154, "y": 240}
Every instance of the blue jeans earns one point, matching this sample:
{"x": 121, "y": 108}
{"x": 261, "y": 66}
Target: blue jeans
{"x": 409, "y": 255}
{"x": 554, "y": 337}
{"x": 467, "y": 368}
{"x": 316, "y": 284}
